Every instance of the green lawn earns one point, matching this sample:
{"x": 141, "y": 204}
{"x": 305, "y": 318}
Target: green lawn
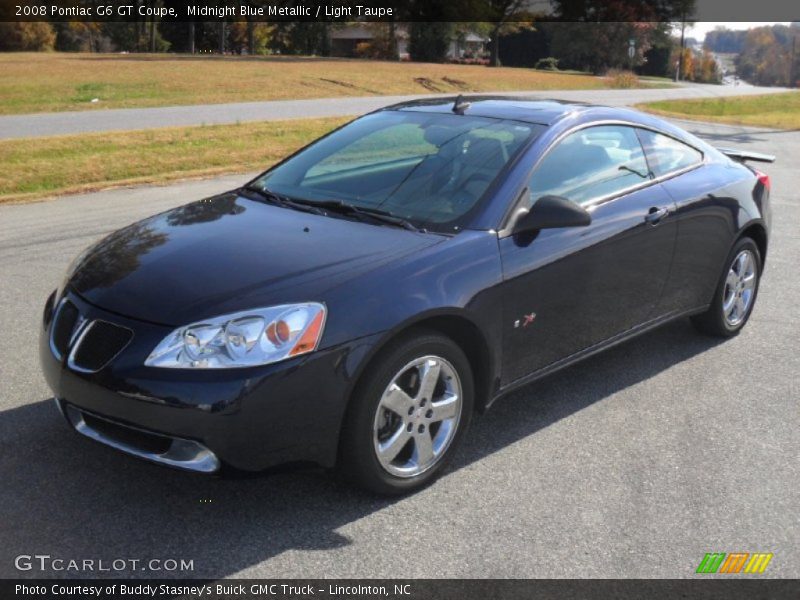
{"x": 781, "y": 111}
{"x": 41, "y": 167}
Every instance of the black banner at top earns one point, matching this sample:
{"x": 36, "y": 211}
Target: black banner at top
{"x": 345, "y": 11}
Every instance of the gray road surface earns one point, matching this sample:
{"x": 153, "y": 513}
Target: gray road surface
{"x": 37, "y": 125}
{"x": 633, "y": 463}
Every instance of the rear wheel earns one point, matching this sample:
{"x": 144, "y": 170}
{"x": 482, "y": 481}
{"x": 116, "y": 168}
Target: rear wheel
{"x": 408, "y": 414}
{"x": 736, "y": 292}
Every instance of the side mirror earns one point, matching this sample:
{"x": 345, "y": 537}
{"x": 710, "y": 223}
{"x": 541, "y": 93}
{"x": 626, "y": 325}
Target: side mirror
{"x": 550, "y": 212}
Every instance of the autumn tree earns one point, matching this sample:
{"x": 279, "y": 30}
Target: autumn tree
{"x": 687, "y": 63}
{"x": 766, "y": 57}
{"x": 383, "y": 45}
{"x": 708, "y": 68}
{"x": 82, "y": 36}
{"x": 696, "y": 66}
{"x": 27, "y": 36}
{"x": 249, "y": 37}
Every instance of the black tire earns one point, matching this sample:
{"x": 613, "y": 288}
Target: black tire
{"x": 358, "y": 460}
{"x": 713, "y": 321}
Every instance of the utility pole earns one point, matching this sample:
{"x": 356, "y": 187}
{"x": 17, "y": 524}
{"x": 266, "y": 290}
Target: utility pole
{"x": 792, "y": 76}
{"x": 680, "y": 54}
{"x": 393, "y": 50}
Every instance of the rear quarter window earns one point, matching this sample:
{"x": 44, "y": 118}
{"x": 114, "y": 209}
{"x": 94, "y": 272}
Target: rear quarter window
{"x": 667, "y": 155}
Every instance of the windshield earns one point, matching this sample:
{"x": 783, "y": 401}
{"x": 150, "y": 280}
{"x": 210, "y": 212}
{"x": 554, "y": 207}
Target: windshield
{"x": 430, "y": 169}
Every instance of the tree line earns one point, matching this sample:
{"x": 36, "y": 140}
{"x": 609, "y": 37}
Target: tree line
{"x": 766, "y": 55}
{"x": 586, "y": 35}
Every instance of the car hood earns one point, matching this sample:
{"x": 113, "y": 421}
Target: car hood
{"x": 230, "y": 253}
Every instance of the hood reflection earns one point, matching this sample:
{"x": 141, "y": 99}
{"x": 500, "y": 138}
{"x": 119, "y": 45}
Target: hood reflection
{"x": 119, "y": 254}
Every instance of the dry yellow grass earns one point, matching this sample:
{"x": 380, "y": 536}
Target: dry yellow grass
{"x": 781, "y": 111}
{"x": 47, "y": 82}
{"x": 43, "y": 167}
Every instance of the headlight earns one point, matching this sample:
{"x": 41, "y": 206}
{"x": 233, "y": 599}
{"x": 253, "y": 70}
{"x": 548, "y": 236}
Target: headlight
{"x": 244, "y": 339}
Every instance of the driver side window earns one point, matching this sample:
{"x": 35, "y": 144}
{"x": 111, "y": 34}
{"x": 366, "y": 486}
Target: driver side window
{"x": 590, "y": 164}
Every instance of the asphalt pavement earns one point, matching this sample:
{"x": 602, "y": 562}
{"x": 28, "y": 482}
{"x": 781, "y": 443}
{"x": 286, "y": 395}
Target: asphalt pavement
{"x": 634, "y": 463}
{"x": 96, "y": 120}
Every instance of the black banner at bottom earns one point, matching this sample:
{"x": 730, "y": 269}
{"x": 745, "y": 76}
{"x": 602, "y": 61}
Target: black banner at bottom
{"x": 400, "y": 589}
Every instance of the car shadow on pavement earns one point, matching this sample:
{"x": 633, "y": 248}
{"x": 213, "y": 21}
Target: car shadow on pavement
{"x": 67, "y": 497}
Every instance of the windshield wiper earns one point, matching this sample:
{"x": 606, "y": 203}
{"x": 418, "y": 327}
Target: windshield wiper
{"x": 324, "y": 206}
{"x": 384, "y": 216}
{"x": 285, "y": 201}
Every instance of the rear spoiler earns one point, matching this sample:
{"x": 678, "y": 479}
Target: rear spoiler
{"x": 743, "y": 155}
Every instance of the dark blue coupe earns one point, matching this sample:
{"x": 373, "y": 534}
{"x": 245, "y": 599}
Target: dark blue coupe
{"x": 356, "y": 304}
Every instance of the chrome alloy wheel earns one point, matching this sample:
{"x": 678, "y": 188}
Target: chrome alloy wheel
{"x": 740, "y": 285}
{"x": 417, "y": 416}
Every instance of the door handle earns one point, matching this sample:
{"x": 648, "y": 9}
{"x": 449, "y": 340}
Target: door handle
{"x": 655, "y": 214}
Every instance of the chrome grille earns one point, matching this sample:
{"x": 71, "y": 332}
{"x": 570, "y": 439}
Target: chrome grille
{"x": 88, "y": 347}
{"x": 64, "y": 325}
{"x": 99, "y": 343}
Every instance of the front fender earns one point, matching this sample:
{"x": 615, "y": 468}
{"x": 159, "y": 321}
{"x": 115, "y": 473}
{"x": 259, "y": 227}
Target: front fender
{"x": 454, "y": 282}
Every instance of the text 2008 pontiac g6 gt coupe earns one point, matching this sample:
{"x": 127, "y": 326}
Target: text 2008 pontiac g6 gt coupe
{"x": 355, "y": 304}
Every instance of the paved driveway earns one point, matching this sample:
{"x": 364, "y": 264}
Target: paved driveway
{"x": 634, "y": 463}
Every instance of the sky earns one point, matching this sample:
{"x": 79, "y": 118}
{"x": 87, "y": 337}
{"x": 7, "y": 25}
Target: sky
{"x": 699, "y": 30}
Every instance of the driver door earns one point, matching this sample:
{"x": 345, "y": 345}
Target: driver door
{"x": 566, "y": 290}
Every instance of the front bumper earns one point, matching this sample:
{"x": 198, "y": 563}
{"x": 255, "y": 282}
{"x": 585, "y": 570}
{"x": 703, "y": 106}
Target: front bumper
{"x": 249, "y": 419}
{"x": 166, "y": 450}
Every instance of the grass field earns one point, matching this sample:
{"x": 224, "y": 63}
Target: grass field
{"x": 781, "y": 111}
{"x": 48, "y": 82}
{"x": 41, "y": 167}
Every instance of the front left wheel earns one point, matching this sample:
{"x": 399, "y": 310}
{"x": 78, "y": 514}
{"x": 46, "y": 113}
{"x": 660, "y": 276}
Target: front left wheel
{"x": 408, "y": 414}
